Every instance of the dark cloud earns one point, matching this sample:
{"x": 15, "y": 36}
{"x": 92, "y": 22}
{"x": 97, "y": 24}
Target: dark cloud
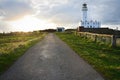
{"x": 13, "y": 9}
{"x": 107, "y": 11}
{"x": 111, "y": 13}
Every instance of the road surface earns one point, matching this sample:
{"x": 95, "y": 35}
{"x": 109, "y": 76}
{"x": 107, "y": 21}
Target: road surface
{"x": 50, "y": 59}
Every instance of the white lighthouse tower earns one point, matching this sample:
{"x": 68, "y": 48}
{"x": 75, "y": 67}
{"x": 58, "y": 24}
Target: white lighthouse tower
{"x": 84, "y": 9}
{"x": 88, "y": 23}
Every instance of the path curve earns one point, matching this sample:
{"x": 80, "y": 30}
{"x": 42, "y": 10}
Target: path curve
{"x": 50, "y": 59}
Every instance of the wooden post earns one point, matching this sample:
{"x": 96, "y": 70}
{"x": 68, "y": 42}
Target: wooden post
{"x": 114, "y": 41}
{"x": 75, "y": 33}
{"x": 95, "y": 38}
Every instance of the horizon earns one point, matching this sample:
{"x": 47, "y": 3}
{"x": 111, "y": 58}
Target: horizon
{"x": 115, "y": 28}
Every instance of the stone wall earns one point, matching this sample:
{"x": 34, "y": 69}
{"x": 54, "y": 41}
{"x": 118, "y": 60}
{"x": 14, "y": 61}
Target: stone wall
{"x": 104, "y": 35}
{"x": 99, "y": 30}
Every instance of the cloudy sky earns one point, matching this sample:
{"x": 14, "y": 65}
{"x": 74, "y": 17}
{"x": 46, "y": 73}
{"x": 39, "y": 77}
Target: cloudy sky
{"x": 27, "y": 15}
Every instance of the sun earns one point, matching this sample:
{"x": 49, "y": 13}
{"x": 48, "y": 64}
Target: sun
{"x": 30, "y": 23}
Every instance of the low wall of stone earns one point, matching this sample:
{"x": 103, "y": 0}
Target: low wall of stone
{"x": 102, "y": 38}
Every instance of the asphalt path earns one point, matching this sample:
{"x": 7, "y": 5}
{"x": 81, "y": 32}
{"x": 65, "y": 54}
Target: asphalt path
{"x": 50, "y": 59}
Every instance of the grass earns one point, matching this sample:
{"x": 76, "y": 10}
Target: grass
{"x": 14, "y": 45}
{"x": 103, "y": 58}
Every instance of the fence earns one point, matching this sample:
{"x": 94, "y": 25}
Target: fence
{"x": 118, "y": 41}
{"x": 103, "y": 38}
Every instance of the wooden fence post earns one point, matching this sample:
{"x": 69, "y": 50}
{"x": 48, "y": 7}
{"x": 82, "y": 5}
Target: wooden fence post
{"x": 75, "y": 33}
{"x": 114, "y": 41}
{"x": 95, "y": 38}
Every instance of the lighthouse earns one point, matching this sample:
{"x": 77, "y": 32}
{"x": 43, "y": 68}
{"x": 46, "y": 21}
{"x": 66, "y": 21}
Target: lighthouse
{"x": 88, "y": 23}
{"x": 84, "y": 10}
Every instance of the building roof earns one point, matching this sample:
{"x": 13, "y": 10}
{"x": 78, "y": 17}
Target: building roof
{"x": 60, "y": 27}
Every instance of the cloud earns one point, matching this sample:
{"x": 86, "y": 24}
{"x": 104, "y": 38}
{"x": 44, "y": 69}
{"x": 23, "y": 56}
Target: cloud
{"x": 111, "y": 13}
{"x": 57, "y": 11}
{"x": 106, "y": 11}
{"x": 65, "y": 14}
{"x": 14, "y": 9}
{"x": 5, "y": 27}
{"x": 61, "y": 12}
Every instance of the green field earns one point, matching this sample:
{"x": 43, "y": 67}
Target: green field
{"x": 103, "y": 58}
{"x": 14, "y": 45}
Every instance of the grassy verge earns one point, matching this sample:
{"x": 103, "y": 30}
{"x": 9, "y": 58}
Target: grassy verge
{"x": 104, "y": 59}
{"x": 12, "y": 46}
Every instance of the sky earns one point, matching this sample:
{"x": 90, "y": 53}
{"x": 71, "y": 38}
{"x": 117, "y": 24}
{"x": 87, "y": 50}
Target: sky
{"x": 28, "y": 15}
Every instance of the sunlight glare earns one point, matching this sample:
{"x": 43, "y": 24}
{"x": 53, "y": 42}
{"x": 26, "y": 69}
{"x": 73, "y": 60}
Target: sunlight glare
{"x": 30, "y": 23}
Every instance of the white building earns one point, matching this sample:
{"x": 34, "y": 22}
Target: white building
{"x": 85, "y": 22}
{"x": 60, "y": 29}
